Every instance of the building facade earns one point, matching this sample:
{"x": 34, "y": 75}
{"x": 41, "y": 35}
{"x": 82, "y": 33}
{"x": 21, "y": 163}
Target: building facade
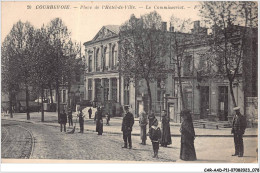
{"x": 207, "y": 97}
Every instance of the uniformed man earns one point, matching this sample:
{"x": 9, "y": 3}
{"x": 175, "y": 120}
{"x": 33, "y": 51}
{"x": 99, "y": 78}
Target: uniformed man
{"x": 81, "y": 120}
{"x": 63, "y": 120}
{"x": 127, "y": 124}
{"x": 238, "y": 129}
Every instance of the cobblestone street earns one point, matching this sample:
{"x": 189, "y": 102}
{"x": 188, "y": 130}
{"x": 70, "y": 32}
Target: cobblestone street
{"x": 50, "y": 143}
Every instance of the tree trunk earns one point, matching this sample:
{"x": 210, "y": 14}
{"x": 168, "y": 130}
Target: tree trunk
{"x": 11, "y": 104}
{"x": 58, "y": 99}
{"x": 149, "y": 96}
{"x": 51, "y": 93}
{"x": 181, "y": 92}
{"x": 27, "y": 101}
{"x": 232, "y": 93}
{"x": 180, "y": 85}
{"x": 42, "y": 95}
{"x": 69, "y": 88}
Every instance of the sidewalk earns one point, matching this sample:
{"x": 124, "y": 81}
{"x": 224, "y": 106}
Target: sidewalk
{"x": 51, "y": 118}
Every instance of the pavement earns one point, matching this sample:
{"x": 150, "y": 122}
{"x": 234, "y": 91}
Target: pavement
{"x": 34, "y": 139}
{"x": 51, "y": 119}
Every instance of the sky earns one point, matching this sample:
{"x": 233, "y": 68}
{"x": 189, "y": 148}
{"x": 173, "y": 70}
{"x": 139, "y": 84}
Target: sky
{"x": 84, "y": 23}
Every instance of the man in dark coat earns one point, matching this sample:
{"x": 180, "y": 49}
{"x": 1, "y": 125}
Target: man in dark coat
{"x": 89, "y": 113}
{"x": 238, "y": 129}
{"x": 70, "y": 117}
{"x": 81, "y": 121}
{"x": 166, "y": 132}
{"x": 63, "y": 120}
{"x": 127, "y": 124}
{"x": 99, "y": 121}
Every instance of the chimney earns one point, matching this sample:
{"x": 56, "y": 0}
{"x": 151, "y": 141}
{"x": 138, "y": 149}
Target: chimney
{"x": 164, "y": 26}
{"x": 171, "y": 29}
{"x": 196, "y": 25}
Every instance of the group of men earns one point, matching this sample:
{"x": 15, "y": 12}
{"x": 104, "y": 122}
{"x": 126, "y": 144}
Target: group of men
{"x": 238, "y": 127}
{"x": 128, "y": 122}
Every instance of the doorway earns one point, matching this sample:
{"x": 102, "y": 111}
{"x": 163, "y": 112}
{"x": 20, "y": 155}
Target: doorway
{"x": 204, "y": 101}
{"x": 173, "y": 116}
{"x": 223, "y": 103}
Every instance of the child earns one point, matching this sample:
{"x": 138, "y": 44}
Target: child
{"x": 155, "y": 136}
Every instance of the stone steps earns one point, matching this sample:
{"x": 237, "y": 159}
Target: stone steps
{"x": 211, "y": 124}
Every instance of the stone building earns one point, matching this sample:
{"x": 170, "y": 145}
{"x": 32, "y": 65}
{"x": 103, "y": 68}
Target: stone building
{"x": 207, "y": 97}
{"x": 103, "y": 84}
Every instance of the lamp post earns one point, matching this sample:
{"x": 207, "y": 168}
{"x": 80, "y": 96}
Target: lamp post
{"x": 162, "y": 87}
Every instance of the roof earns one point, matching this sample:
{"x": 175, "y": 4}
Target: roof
{"x": 113, "y": 28}
{"x": 113, "y": 31}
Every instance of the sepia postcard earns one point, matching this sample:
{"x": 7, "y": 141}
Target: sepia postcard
{"x": 170, "y": 82}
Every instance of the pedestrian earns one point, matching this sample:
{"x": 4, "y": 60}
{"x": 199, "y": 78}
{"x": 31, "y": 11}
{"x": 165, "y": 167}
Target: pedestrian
{"x": 166, "y": 133}
{"x": 238, "y": 129}
{"x": 143, "y": 123}
{"x": 127, "y": 125}
{"x": 99, "y": 121}
{"x": 187, "y": 137}
{"x": 63, "y": 120}
{"x": 151, "y": 119}
{"x": 81, "y": 120}
{"x": 70, "y": 117}
{"x": 107, "y": 118}
{"x": 89, "y": 113}
{"x": 155, "y": 136}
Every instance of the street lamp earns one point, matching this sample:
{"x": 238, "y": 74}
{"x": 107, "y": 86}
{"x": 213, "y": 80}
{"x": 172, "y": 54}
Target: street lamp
{"x": 162, "y": 87}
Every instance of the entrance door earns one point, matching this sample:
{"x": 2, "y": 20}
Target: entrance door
{"x": 204, "y": 101}
{"x": 172, "y": 115}
{"x": 223, "y": 103}
{"x": 98, "y": 90}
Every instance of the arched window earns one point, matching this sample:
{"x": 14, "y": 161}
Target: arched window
{"x": 90, "y": 63}
{"x": 106, "y": 60}
{"x": 114, "y": 57}
{"x": 97, "y": 60}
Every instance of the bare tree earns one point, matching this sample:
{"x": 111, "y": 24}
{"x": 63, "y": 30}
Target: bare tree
{"x": 143, "y": 45}
{"x": 179, "y": 36}
{"x": 230, "y": 23}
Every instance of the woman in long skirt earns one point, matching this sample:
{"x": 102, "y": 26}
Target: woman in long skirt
{"x": 187, "y": 137}
{"x": 166, "y": 132}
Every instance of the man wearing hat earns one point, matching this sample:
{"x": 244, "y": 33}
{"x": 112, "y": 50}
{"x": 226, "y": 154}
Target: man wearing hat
{"x": 70, "y": 117}
{"x": 127, "y": 124}
{"x": 238, "y": 129}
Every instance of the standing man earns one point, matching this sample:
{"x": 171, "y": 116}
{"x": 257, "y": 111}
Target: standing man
{"x": 127, "y": 124}
{"x": 81, "y": 121}
{"x": 166, "y": 132}
{"x": 99, "y": 121}
{"x": 70, "y": 117}
{"x": 89, "y": 113}
{"x": 63, "y": 120}
{"x": 238, "y": 129}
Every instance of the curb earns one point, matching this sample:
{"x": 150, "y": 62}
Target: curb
{"x": 134, "y": 134}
